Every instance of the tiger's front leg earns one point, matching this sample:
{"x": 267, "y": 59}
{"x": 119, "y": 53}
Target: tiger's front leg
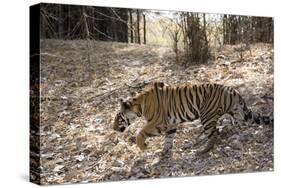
{"x": 147, "y": 131}
{"x": 140, "y": 140}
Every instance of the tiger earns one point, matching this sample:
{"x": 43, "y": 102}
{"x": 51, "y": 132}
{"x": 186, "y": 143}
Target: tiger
{"x": 164, "y": 107}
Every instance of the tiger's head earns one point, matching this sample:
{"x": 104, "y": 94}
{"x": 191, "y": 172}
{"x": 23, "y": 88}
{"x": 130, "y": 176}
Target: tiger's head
{"x": 134, "y": 106}
{"x": 129, "y": 110}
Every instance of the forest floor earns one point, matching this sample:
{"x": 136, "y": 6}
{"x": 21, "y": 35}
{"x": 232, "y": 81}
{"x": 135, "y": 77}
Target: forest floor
{"x": 80, "y": 100}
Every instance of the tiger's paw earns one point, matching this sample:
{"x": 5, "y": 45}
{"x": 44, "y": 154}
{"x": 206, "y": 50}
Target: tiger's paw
{"x": 166, "y": 153}
{"x": 142, "y": 146}
{"x": 141, "y": 142}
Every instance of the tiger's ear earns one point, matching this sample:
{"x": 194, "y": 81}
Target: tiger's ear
{"x": 123, "y": 103}
{"x": 160, "y": 84}
{"x": 121, "y": 100}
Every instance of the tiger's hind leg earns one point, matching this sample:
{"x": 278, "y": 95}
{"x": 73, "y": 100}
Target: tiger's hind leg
{"x": 212, "y": 139}
{"x": 168, "y": 142}
{"x": 211, "y": 132}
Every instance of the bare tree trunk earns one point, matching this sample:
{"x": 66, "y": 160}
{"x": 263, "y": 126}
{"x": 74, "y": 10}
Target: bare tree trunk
{"x": 144, "y": 29}
{"x": 239, "y": 29}
{"x": 60, "y": 22}
{"x": 87, "y": 35}
{"x": 43, "y": 26}
{"x": 131, "y": 26}
{"x": 224, "y": 29}
{"x": 114, "y": 29}
{"x": 204, "y": 28}
{"x": 271, "y": 31}
{"x": 68, "y": 20}
{"x": 138, "y": 26}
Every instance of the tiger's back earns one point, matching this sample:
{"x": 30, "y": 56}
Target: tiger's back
{"x": 188, "y": 103}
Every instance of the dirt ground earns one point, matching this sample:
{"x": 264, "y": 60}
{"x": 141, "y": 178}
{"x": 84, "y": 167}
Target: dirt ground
{"x": 80, "y": 100}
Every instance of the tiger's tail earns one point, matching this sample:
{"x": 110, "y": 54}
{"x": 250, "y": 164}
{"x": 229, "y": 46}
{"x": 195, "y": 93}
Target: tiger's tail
{"x": 258, "y": 118}
{"x": 254, "y": 117}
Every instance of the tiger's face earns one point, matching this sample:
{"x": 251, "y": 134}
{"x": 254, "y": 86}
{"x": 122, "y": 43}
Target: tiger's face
{"x": 129, "y": 110}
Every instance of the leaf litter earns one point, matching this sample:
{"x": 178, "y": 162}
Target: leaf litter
{"x": 79, "y": 102}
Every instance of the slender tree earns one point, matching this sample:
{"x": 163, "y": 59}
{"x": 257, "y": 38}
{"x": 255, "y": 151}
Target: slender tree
{"x": 144, "y": 28}
{"x": 138, "y": 27}
{"x": 131, "y": 26}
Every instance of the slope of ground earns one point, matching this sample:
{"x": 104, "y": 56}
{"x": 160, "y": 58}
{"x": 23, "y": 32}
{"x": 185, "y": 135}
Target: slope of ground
{"x": 80, "y": 100}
